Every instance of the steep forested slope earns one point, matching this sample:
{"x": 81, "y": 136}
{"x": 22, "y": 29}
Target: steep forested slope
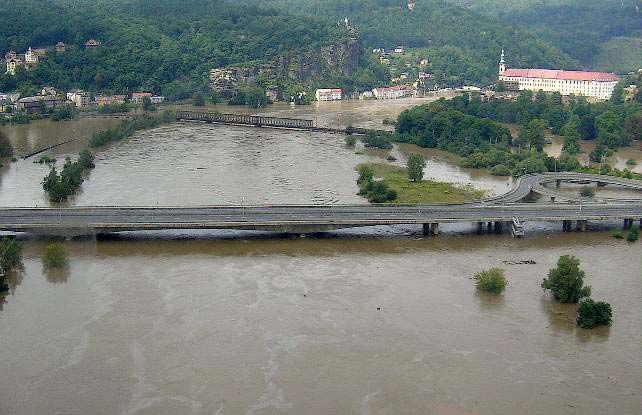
{"x": 162, "y": 45}
{"x": 584, "y": 29}
{"x": 454, "y": 36}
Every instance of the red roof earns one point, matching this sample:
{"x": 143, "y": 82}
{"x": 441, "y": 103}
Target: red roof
{"x": 564, "y": 75}
{"x": 141, "y": 94}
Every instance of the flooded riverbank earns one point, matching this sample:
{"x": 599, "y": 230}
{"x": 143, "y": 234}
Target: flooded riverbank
{"x": 317, "y": 326}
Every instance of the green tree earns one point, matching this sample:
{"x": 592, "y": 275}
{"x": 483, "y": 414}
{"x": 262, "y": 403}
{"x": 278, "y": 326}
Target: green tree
{"x": 492, "y": 280}
{"x": 566, "y": 282}
{"x": 199, "y": 100}
{"x": 634, "y": 234}
{"x": 571, "y": 133}
{"x": 535, "y": 134}
{"x": 10, "y": 253}
{"x": 350, "y": 140}
{"x": 55, "y": 256}
{"x": 147, "y": 103}
{"x": 591, "y": 314}
{"x": 366, "y": 174}
{"x": 6, "y": 149}
{"x": 415, "y": 167}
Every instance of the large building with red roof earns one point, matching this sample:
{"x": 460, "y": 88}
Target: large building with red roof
{"x": 598, "y": 85}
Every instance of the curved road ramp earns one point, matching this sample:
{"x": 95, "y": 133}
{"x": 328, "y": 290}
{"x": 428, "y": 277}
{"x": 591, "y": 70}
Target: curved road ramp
{"x": 495, "y": 213}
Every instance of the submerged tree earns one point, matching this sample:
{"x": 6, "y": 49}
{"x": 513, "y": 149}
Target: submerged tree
{"x": 566, "y": 282}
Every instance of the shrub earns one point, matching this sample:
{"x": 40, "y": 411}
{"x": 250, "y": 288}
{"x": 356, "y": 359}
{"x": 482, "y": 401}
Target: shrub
{"x": 500, "y": 170}
{"x": 492, "y": 280}
{"x": 618, "y": 234}
{"x": 586, "y": 191}
{"x": 351, "y": 140}
{"x": 10, "y": 253}
{"x": 378, "y": 140}
{"x": 566, "y": 282}
{"x": 377, "y": 192}
{"x": 634, "y": 235}
{"x": 591, "y": 314}
{"x": 55, "y": 256}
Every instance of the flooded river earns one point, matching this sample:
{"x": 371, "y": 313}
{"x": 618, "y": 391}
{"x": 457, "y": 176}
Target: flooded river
{"x": 364, "y": 321}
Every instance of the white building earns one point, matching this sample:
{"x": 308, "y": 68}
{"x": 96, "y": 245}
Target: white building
{"x": 598, "y": 85}
{"x": 31, "y": 57}
{"x": 81, "y": 99}
{"x": 330, "y": 94}
{"x": 399, "y": 49}
{"x": 394, "y": 92}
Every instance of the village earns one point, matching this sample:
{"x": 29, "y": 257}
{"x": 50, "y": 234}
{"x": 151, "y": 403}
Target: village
{"x": 49, "y": 99}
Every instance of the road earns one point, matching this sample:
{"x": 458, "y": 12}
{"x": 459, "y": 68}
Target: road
{"x": 298, "y": 218}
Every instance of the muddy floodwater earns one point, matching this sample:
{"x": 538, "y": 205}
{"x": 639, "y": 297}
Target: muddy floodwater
{"x": 365, "y": 321}
{"x": 318, "y": 326}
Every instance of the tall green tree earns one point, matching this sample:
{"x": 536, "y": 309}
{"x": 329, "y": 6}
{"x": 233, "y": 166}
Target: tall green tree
{"x": 535, "y": 133}
{"x": 571, "y": 133}
{"x": 415, "y": 167}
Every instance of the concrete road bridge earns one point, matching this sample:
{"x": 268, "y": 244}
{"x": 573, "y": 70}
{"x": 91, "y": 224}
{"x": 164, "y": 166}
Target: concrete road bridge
{"x": 496, "y": 213}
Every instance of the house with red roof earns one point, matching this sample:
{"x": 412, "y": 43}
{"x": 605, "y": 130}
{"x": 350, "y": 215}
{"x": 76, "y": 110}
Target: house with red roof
{"x": 598, "y": 85}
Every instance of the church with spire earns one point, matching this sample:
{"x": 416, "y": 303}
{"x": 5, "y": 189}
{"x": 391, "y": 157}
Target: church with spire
{"x": 598, "y": 85}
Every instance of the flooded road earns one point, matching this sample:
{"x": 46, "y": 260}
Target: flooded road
{"x": 319, "y": 326}
{"x": 365, "y": 321}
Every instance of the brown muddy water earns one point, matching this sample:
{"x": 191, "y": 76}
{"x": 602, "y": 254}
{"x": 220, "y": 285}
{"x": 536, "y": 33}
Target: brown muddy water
{"x": 318, "y": 326}
{"x": 364, "y": 321}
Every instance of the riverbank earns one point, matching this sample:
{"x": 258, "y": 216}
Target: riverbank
{"x": 422, "y": 192}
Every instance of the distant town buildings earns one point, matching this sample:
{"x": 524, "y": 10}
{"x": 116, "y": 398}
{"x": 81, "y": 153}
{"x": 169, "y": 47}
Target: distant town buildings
{"x": 111, "y": 99}
{"x": 138, "y": 97}
{"x": 598, "y": 85}
{"x": 60, "y": 47}
{"x": 394, "y": 92}
{"x": 399, "y": 49}
{"x": 331, "y": 94}
{"x": 32, "y": 105}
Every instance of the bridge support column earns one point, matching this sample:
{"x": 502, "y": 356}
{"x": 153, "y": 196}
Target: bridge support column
{"x": 434, "y": 228}
{"x": 558, "y": 183}
{"x": 426, "y": 229}
{"x": 499, "y": 227}
{"x": 566, "y": 225}
{"x": 480, "y": 227}
{"x": 627, "y": 223}
{"x": 552, "y": 199}
{"x": 581, "y": 226}
{"x": 601, "y": 184}
{"x": 489, "y": 227}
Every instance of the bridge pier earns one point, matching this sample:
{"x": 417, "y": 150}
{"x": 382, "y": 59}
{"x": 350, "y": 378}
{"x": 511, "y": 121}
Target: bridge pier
{"x": 581, "y": 226}
{"x": 567, "y": 225}
{"x": 499, "y": 227}
{"x": 552, "y": 199}
{"x": 426, "y": 229}
{"x": 558, "y": 183}
{"x": 489, "y": 227}
{"x": 434, "y": 228}
{"x": 601, "y": 184}
{"x": 480, "y": 228}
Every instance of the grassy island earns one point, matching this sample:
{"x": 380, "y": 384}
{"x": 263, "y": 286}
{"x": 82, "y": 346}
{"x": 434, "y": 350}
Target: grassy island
{"x": 424, "y": 191}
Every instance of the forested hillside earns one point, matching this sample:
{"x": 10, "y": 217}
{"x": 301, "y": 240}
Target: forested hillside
{"x": 587, "y": 30}
{"x": 162, "y": 46}
{"x": 453, "y": 36}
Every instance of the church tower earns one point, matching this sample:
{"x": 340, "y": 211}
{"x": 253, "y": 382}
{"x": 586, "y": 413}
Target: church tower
{"x": 502, "y": 64}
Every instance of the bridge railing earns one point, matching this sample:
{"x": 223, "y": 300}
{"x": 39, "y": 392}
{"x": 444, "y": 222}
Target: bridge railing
{"x": 244, "y": 119}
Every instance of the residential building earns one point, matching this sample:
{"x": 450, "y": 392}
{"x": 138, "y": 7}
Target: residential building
{"x": 470, "y": 88}
{"x": 32, "y": 105}
{"x": 384, "y": 61}
{"x": 13, "y": 62}
{"x": 330, "y": 94}
{"x": 30, "y": 57}
{"x": 137, "y": 97}
{"x": 399, "y": 49}
{"x": 424, "y": 75}
{"x": 80, "y": 98}
{"x": 424, "y": 62}
{"x": 108, "y": 100}
{"x": 156, "y": 99}
{"x": 60, "y": 47}
{"x": 598, "y": 85}
{"x": 92, "y": 43}
{"x": 48, "y": 90}
{"x": 394, "y": 92}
